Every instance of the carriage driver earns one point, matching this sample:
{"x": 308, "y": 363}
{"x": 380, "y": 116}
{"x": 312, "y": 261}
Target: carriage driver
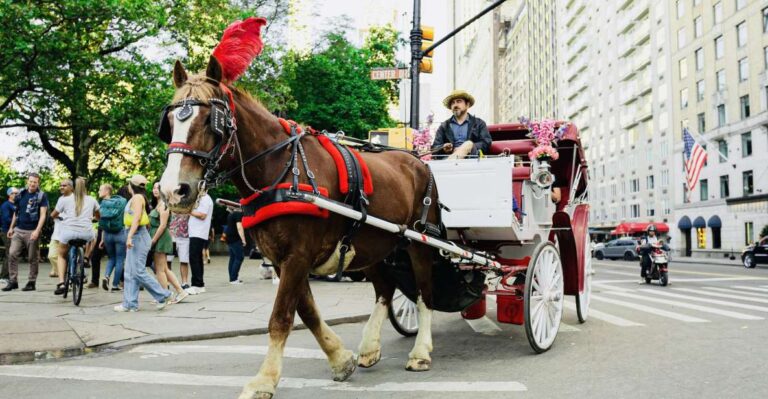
{"x": 462, "y": 134}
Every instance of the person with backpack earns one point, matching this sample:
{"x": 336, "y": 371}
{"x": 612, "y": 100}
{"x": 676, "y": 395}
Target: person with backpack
{"x": 24, "y": 232}
{"x": 113, "y": 235}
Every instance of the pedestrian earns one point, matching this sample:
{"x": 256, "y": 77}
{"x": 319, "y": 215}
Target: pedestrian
{"x": 236, "y": 243}
{"x": 463, "y": 134}
{"x": 138, "y": 242}
{"x": 66, "y": 188}
{"x": 179, "y": 228}
{"x": 199, "y": 226}
{"x": 113, "y": 233}
{"x": 75, "y": 214}
{"x": 97, "y": 252}
{"x": 24, "y": 231}
{"x": 162, "y": 244}
{"x": 6, "y": 216}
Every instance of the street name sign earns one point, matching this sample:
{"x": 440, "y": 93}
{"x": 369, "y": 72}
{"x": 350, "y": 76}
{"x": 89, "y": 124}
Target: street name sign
{"x": 389, "y": 73}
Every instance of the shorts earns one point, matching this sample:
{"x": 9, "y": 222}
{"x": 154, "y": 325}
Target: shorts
{"x": 65, "y": 236}
{"x": 182, "y": 249}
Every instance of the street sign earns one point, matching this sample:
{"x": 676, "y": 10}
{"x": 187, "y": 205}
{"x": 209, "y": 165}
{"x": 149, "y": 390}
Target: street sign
{"x": 389, "y": 73}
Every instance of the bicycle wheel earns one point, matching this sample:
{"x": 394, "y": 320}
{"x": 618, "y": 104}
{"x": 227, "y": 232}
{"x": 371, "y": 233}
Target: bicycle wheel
{"x": 78, "y": 277}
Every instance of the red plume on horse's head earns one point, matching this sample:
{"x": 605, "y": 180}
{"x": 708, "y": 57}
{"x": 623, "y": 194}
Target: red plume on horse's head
{"x": 239, "y": 45}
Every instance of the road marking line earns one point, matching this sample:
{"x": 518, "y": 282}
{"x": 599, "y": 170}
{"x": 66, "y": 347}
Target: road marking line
{"x": 83, "y": 373}
{"x": 750, "y": 294}
{"x": 165, "y": 350}
{"x": 484, "y": 325}
{"x": 608, "y": 318}
{"x": 689, "y": 280}
{"x": 726, "y": 313}
{"x": 619, "y": 273}
{"x": 675, "y": 270}
{"x": 648, "y": 309}
{"x": 721, "y": 295}
{"x": 744, "y": 287}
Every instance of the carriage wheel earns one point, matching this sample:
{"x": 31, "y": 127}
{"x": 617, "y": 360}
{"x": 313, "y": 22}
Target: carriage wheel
{"x": 582, "y": 298}
{"x": 543, "y": 297}
{"x": 403, "y": 314}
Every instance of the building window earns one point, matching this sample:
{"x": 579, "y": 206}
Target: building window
{"x": 701, "y": 237}
{"x": 665, "y": 178}
{"x": 721, "y": 120}
{"x": 725, "y": 190}
{"x": 698, "y": 27}
{"x": 746, "y": 144}
{"x": 701, "y": 123}
{"x": 716, "y": 242}
{"x": 649, "y": 181}
{"x": 703, "y": 190}
{"x": 681, "y": 38}
{"x": 684, "y": 98}
{"x": 749, "y": 233}
{"x": 685, "y": 194}
{"x": 720, "y": 77}
{"x": 683, "y": 68}
{"x": 722, "y": 147}
{"x": 634, "y": 211}
{"x": 743, "y": 69}
{"x": 634, "y": 185}
{"x": 649, "y": 211}
{"x": 719, "y": 47}
{"x": 744, "y": 103}
{"x": 746, "y": 178}
{"x": 765, "y": 20}
{"x": 741, "y": 34}
{"x": 700, "y": 59}
{"x": 717, "y": 9}
{"x": 700, "y": 91}
{"x": 765, "y": 58}
{"x": 680, "y": 8}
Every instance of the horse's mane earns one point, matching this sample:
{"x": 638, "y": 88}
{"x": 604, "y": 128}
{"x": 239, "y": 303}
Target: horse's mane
{"x": 199, "y": 87}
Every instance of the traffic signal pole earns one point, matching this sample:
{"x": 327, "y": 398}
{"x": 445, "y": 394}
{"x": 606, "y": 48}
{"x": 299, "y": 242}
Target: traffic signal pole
{"x": 417, "y": 54}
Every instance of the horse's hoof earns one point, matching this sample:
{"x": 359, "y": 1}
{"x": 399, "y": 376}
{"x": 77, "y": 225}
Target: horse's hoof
{"x": 344, "y": 369}
{"x": 418, "y": 364}
{"x": 255, "y": 395}
{"x": 369, "y": 359}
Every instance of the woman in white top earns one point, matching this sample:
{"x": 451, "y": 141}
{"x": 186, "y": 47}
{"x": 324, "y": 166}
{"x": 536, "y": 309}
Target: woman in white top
{"x": 76, "y": 213}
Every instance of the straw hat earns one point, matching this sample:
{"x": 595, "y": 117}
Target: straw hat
{"x": 458, "y": 94}
{"x": 137, "y": 180}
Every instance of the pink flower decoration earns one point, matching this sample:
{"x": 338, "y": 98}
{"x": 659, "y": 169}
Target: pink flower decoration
{"x": 544, "y": 133}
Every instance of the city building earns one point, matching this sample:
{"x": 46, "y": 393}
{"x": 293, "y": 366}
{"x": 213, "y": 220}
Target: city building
{"x": 719, "y": 88}
{"x": 613, "y": 80}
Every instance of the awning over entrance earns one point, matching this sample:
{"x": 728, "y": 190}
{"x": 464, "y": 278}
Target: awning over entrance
{"x": 714, "y": 222}
{"x": 638, "y": 227}
{"x": 684, "y": 223}
{"x": 699, "y": 223}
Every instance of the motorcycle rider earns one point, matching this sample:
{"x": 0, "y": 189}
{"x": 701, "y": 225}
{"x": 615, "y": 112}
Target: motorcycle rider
{"x": 651, "y": 239}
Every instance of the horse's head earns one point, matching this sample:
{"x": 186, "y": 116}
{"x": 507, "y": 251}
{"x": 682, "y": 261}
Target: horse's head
{"x": 198, "y": 127}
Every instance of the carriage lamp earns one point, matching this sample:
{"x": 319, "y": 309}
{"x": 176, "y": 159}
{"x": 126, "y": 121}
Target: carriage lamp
{"x": 544, "y": 178}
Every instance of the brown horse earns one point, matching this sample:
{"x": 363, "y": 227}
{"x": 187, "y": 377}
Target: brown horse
{"x": 300, "y": 244}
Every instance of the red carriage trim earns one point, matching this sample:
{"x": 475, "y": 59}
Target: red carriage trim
{"x": 284, "y": 208}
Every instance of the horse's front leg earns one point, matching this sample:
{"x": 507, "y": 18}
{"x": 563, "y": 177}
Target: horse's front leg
{"x": 370, "y": 345}
{"x": 341, "y": 360}
{"x": 280, "y": 323}
{"x": 419, "y": 358}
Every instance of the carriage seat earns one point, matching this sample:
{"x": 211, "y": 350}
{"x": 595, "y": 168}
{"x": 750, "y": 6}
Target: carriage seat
{"x": 514, "y": 147}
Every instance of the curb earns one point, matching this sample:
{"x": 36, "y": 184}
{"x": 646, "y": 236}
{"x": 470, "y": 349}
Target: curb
{"x": 42, "y": 356}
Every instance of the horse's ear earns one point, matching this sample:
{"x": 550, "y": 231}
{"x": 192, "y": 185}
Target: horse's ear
{"x": 179, "y": 74}
{"x": 214, "y": 69}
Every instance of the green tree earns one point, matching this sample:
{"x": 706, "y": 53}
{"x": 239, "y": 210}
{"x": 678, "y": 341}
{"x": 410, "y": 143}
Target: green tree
{"x": 77, "y": 73}
{"x": 379, "y": 49}
{"x": 332, "y": 88}
{"x": 764, "y": 231}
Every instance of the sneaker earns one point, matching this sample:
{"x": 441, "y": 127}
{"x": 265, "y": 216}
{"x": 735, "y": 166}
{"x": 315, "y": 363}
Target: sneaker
{"x": 59, "y": 289}
{"x": 115, "y": 289}
{"x": 11, "y": 286}
{"x": 200, "y": 290}
{"x": 191, "y": 290}
{"x": 184, "y": 286}
{"x": 122, "y": 309}
{"x": 266, "y": 274}
{"x": 236, "y": 282}
{"x": 180, "y": 297}
{"x": 29, "y": 287}
{"x": 105, "y": 283}
{"x": 4, "y": 281}
{"x": 93, "y": 285}
{"x": 162, "y": 304}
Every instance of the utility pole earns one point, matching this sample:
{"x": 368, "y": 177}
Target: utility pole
{"x": 417, "y": 54}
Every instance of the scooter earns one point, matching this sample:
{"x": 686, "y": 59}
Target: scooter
{"x": 658, "y": 269}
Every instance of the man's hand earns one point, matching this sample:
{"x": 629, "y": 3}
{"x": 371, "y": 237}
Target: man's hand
{"x": 10, "y": 233}
{"x": 448, "y": 148}
{"x": 35, "y": 234}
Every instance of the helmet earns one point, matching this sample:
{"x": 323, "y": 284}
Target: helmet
{"x": 650, "y": 228}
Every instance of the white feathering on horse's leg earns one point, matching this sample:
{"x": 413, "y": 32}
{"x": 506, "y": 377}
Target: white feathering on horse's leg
{"x": 419, "y": 358}
{"x": 370, "y": 346}
{"x": 331, "y": 265}
{"x": 263, "y": 386}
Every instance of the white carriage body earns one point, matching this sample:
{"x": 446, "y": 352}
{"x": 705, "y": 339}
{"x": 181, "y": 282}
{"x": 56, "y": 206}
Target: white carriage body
{"x": 479, "y": 194}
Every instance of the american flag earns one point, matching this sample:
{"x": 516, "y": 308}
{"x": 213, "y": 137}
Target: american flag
{"x": 695, "y": 156}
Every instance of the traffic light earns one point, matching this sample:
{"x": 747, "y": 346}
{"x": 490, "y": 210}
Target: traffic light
{"x": 428, "y": 37}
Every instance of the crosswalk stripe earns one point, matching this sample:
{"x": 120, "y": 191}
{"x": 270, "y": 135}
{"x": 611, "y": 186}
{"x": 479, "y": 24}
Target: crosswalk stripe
{"x": 156, "y": 350}
{"x": 608, "y": 318}
{"x": 721, "y": 295}
{"x": 727, "y": 313}
{"x": 712, "y": 301}
{"x": 741, "y": 292}
{"x": 83, "y": 373}
{"x": 648, "y": 309}
{"x": 745, "y": 287}
{"x": 484, "y": 325}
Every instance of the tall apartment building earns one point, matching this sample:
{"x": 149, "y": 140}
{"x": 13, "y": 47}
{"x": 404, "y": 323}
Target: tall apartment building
{"x": 527, "y": 68}
{"x": 720, "y": 92}
{"x": 614, "y": 84}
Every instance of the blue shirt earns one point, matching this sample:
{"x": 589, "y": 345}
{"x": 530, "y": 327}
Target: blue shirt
{"x": 28, "y": 209}
{"x": 6, "y": 212}
{"x": 460, "y": 131}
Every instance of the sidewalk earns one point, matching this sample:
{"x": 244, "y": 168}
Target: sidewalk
{"x": 39, "y": 325}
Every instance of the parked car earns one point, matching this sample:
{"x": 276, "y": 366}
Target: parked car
{"x": 755, "y": 254}
{"x": 623, "y": 248}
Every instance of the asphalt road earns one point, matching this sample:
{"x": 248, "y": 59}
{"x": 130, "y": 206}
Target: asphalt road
{"x": 704, "y": 336}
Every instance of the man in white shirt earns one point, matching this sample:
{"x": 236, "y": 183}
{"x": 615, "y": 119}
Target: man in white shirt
{"x": 199, "y": 226}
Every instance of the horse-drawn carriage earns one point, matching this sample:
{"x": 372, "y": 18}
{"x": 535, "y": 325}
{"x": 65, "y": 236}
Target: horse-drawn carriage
{"x": 500, "y": 207}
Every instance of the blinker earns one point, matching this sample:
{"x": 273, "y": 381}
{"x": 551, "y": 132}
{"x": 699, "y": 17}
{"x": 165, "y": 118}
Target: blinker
{"x": 184, "y": 113}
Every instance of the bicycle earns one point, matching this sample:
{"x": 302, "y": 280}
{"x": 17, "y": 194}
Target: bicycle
{"x": 75, "y": 271}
